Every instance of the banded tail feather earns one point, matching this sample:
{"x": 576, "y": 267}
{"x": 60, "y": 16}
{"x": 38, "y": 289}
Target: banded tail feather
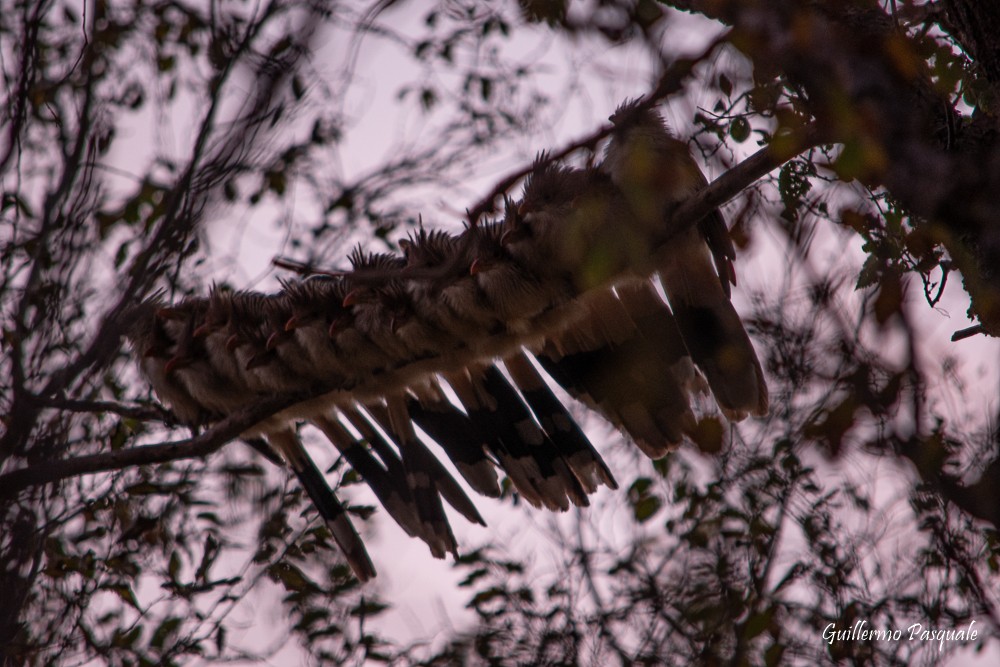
{"x": 562, "y": 278}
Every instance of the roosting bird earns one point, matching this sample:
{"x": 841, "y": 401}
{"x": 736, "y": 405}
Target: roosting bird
{"x": 558, "y": 290}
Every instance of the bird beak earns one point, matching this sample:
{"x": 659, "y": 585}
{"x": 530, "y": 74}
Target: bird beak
{"x": 203, "y": 330}
{"x": 353, "y": 297}
{"x": 233, "y": 342}
{"x": 166, "y": 313}
{"x": 293, "y": 323}
{"x": 274, "y": 340}
{"x": 477, "y": 266}
{"x": 172, "y": 364}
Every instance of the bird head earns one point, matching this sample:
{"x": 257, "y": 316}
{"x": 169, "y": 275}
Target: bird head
{"x": 311, "y": 299}
{"x": 487, "y": 247}
{"x": 217, "y": 312}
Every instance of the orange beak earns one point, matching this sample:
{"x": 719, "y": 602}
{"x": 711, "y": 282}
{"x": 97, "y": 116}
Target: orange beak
{"x": 353, "y": 297}
{"x": 167, "y": 313}
{"x": 172, "y": 364}
{"x": 339, "y": 324}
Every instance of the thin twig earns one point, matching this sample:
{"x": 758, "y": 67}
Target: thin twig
{"x": 140, "y": 412}
{"x": 968, "y": 332}
{"x": 199, "y": 446}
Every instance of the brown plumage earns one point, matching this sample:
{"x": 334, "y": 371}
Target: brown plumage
{"x": 654, "y": 171}
{"x": 153, "y": 348}
{"x": 287, "y": 442}
{"x": 563, "y": 281}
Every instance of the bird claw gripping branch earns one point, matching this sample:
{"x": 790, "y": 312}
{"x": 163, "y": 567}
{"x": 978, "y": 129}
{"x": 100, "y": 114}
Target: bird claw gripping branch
{"x": 562, "y": 283}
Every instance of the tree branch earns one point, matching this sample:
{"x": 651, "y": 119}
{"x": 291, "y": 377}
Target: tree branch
{"x": 199, "y": 446}
{"x": 740, "y": 177}
{"x": 941, "y": 166}
{"x": 138, "y": 412}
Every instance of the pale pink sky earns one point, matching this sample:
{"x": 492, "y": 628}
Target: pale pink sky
{"x": 427, "y": 602}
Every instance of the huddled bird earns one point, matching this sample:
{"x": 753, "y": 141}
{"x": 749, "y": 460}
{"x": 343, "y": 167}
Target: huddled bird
{"x": 461, "y": 341}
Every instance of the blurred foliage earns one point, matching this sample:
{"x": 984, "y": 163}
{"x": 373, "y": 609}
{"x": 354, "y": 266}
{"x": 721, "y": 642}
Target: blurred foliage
{"x": 742, "y": 554}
